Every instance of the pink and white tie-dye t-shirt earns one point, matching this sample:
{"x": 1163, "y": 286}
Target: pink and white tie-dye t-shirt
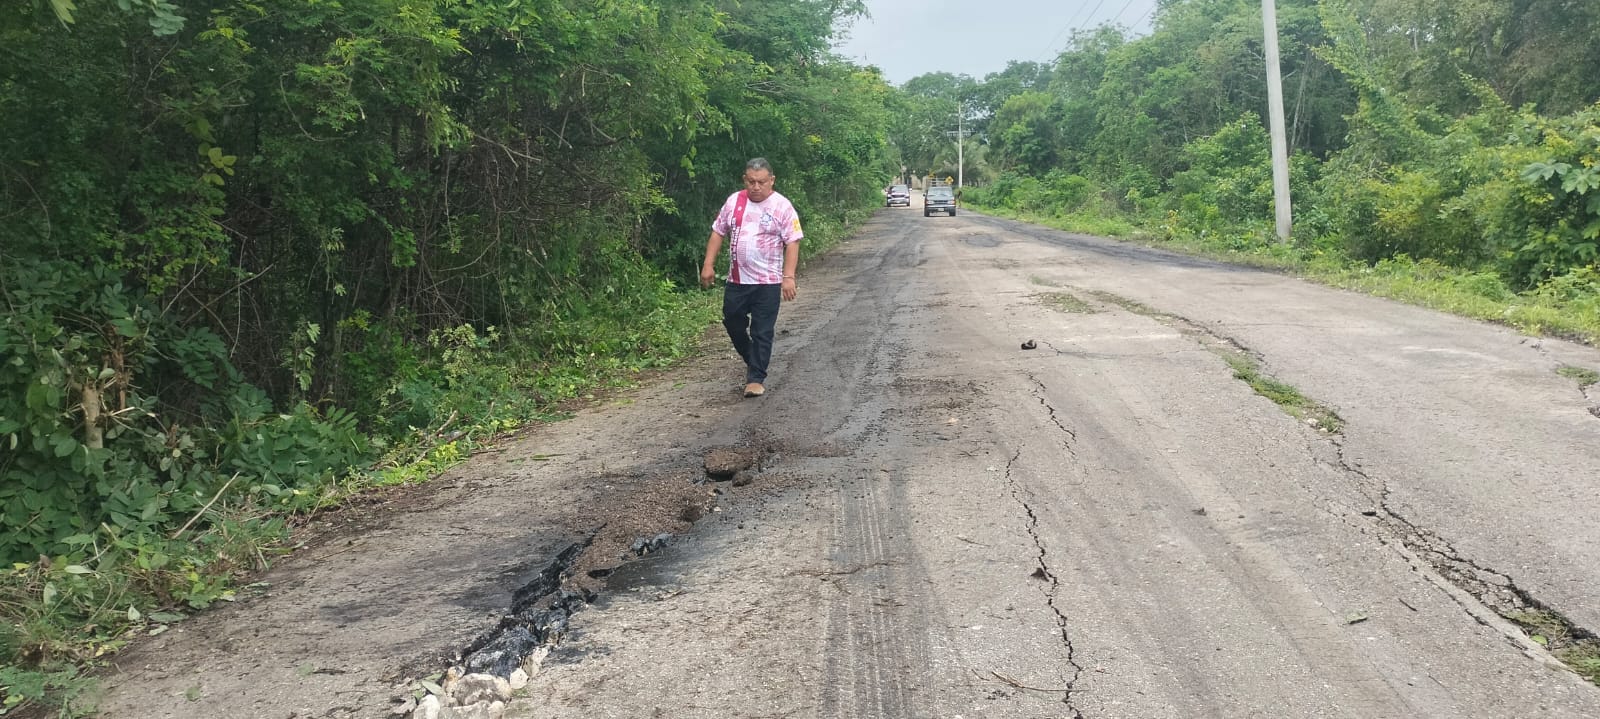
{"x": 757, "y": 248}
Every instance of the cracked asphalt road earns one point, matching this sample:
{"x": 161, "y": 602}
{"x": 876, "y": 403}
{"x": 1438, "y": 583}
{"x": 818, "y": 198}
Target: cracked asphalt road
{"x": 1109, "y": 525}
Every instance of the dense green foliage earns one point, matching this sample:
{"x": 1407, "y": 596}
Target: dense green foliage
{"x": 259, "y": 255}
{"x": 1462, "y": 134}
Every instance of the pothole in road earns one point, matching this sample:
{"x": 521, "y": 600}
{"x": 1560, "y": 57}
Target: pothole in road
{"x": 653, "y": 510}
{"x": 736, "y": 464}
{"x": 539, "y": 613}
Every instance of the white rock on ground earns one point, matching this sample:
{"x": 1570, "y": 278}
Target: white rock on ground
{"x": 428, "y": 708}
{"x": 475, "y": 688}
{"x": 451, "y": 676}
{"x": 534, "y": 660}
{"x": 480, "y": 710}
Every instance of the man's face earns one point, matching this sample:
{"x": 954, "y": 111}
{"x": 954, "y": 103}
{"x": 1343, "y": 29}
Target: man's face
{"x": 758, "y": 183}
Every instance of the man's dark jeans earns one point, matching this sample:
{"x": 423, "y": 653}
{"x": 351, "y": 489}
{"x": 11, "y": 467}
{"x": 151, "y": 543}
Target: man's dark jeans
{"x": 750, "y": 312}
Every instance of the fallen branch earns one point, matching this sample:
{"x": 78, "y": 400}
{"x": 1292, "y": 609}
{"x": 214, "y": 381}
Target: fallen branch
{"x": 448, "y": 421}
{"x": 214, "y": 499}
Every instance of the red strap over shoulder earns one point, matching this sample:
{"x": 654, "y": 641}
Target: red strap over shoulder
{"x": 733, "y": 235}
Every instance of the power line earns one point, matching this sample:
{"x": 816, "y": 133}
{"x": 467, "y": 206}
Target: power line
{"x": 1124, "y": 9}
{"x": 1074, "y": 23}
{"x": 1142, "y": 18}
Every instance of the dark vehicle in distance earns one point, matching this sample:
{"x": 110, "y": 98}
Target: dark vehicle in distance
{"x": 939, "y": 198}
{"x": 897, "y": 195}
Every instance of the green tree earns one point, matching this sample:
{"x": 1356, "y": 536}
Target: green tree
{"x": 1024, "y": 133}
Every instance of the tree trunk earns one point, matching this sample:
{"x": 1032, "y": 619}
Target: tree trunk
{"x": 94, "y": 436}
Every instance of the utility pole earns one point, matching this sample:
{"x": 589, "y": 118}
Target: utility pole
{"x": 960, "y": 134}
{"x": 1280, "y": 143}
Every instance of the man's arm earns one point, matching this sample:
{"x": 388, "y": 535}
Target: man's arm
{"x": 708, "y": 269}
{"x": 791, "y": 262}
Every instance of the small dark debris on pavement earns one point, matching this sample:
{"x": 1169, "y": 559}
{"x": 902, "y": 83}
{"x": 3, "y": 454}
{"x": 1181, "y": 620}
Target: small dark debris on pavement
{"x": 646, "y": 545}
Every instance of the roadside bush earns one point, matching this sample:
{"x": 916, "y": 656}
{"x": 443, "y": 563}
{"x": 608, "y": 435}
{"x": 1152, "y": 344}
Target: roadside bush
{"x": 1058, "y": 193}
{"x": 1227, "y": 180}
{"x": 1513, "y": 192}
{"x": 91, "y": 443}
{"x": 1579, "y": 290}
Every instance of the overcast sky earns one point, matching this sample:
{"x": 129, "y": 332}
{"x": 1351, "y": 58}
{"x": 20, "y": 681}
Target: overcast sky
{"x": 907, "y": 38}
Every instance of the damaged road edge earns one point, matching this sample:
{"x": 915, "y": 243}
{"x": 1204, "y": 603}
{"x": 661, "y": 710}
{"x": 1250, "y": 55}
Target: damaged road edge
{"x": 1492, "y": 598}
{"x": 502, "y": 660}
{"x": 483, "y": 675}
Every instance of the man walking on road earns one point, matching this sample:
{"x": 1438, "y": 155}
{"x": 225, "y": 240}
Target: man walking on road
{"x": 764, "y": 249}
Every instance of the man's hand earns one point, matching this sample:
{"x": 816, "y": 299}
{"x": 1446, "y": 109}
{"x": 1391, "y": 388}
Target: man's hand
{"x": 708, "y": 268}
{"x": 788, "y": 289}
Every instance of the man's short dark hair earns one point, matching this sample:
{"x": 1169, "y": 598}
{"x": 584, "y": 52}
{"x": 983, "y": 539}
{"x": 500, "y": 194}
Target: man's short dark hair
{"x": 759, "y": 163}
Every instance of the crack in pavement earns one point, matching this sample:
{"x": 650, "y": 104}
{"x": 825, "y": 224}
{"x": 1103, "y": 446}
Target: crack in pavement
{"x": 1206, "y": 336}
{"x": 1593, "y": 398}
{"x": 1043, "y": 572}
{"x": 1109, "y": 356}
{"x": 1249, "y": 366}
{"x": 1537, "y": 345}
{"x": 539, "y": 617}
{"x": 1492, "y": 589}
{"x": 1039, "y": 394}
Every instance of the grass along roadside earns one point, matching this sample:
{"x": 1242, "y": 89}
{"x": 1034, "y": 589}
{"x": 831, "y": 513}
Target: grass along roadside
{"x": 1555, "y": 310}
